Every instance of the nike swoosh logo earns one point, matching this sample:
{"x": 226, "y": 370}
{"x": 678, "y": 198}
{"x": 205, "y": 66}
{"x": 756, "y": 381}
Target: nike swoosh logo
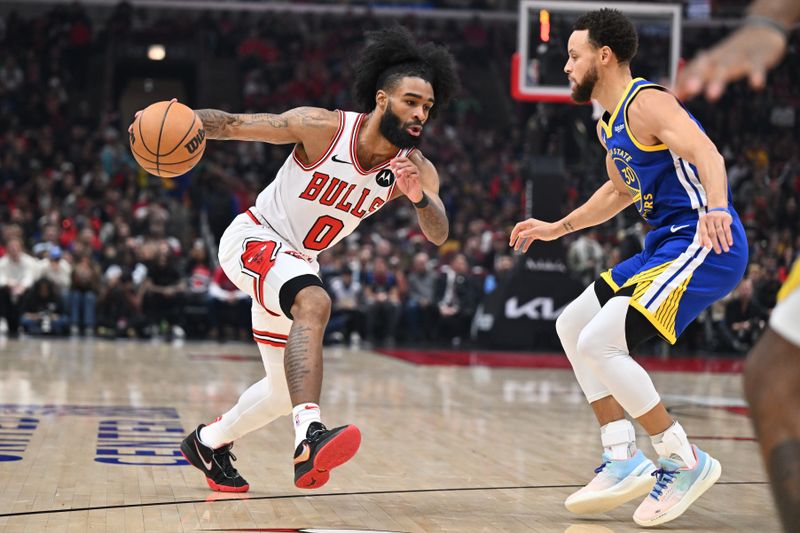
{"x": 340, "y": 160}
{"x": 206, "y": 463}
{"x": 674, "y": 228}
{"x": 303, "y": 457}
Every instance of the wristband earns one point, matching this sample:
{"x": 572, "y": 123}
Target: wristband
{"x": 768, "y": 22}
{"x": 422, "y": 203}
{"x": 725, "y": 209}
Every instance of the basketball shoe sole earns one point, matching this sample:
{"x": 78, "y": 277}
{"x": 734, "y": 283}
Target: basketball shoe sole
{"x": 316, "y": 457}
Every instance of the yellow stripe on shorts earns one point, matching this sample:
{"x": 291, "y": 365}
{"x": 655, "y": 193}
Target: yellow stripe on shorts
{"x": 664, "y": 317}
{"x": 792, "y": 282}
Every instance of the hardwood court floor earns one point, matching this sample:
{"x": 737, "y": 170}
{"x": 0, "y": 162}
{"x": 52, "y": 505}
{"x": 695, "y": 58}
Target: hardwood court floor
{"x": 446, "y": 448}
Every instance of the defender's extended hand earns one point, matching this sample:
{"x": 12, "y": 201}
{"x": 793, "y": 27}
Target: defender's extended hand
{"x": 749, "y": 52}
{"x": 527, "y": 231}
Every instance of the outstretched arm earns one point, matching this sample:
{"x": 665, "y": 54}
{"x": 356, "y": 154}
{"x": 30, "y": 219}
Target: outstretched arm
{"x": 418, "y": 180}
{"x": 749, "y": 52}
{"x": 293, "y": 126}
{"x": 603, "y": 205}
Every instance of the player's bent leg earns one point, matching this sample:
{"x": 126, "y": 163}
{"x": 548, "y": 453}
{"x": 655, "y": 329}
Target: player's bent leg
{"x": 319, "y": 449}
{"x": 208, "y": 447}
{"x": 569, "y": 325}
{"x": 305, "y": 301}
{"x": 603, "y": 345}
{"x": 685, "y": 472}
{"x": 772, "y": 387}
{"x": 624, "y": 473}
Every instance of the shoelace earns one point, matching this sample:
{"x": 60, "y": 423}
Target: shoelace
{"x": 601, "y": 467}
{"x": 317, "y": 432}
{"x": 223, "y": 457}
{"x": 663, "y": 478}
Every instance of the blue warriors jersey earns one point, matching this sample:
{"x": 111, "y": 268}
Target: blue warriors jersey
{"x": 674, "y": 278}
{"x": 664, "y": 186}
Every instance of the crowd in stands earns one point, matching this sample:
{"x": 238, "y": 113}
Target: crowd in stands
{"x": 92, "y": 245}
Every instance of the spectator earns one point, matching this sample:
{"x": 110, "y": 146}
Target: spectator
{"x": 382, "y": 299}
{"x": 199, "y": 315}
{"x": 118, "y": 306}
{"x": 744, "y": 318}
{"x": 43, "y": 310}
{"x": 83, "y": 294}
{"x": 585, "y": 257}
{"x": 230, "y": 307}
{"x": 420, "y": 308}
{"x": 458, "y": 295}
{"x": 18, "y": 272}
{"x": 58, "y": 270}
{"x": 163, "y": 295}
{"x": 347, "y": 315}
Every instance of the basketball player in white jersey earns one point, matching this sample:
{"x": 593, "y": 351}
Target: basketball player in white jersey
{"x": 344, "y": 167}
{"x": 772, "y": 376}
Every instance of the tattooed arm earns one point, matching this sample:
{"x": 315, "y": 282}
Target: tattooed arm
{"x": 418, "y": 180}
{"x": 299, "y": 125}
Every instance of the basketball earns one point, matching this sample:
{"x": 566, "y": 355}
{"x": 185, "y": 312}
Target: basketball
{"x": 167, "y": 139}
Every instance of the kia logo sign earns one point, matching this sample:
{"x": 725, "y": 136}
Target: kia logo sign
{"x": 537, "y": 309}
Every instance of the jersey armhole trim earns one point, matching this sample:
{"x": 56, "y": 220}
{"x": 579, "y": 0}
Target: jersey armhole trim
{"x": 327, "y": 152}
{"x": 639, "y": 145}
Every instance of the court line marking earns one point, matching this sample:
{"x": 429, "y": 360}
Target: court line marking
{"x": 327, "y": 494}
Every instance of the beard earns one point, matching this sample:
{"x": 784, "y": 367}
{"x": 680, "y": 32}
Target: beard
{"x": 582, "y": 92}
{"x": 395, "y": 132}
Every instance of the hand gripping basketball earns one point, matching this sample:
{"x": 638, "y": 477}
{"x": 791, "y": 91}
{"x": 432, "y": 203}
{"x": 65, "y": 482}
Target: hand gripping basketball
{"x": 167, "y": 138}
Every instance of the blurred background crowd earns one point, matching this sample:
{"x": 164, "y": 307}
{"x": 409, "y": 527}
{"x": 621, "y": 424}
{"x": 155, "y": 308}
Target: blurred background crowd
{"x": 92, "y": 245}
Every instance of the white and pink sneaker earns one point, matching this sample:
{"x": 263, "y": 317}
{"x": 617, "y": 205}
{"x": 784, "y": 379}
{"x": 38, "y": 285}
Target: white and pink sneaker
{"x": 676, "y": 488}
{"x": 616, "y": 482}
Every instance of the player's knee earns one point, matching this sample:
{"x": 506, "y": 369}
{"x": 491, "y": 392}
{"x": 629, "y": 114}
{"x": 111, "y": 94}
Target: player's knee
{"x": 568, "y": 327}
{"x": 300, "y": 294}
{"x": 312, "y": 304}
{"x": 592, "y": 344}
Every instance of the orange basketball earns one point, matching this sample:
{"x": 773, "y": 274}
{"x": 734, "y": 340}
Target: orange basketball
{"x": 167, "y": 139}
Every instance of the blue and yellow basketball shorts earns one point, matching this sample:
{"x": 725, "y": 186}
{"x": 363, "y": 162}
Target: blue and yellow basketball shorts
{"x": 675, "y": 277}
{"x": 785, "y": 318}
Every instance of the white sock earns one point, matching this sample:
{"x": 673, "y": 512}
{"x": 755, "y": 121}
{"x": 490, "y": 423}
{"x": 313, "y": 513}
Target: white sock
{"x": 674, "y": 444}
{"x": 619, "y": 439}
{"x": 259, "y": 405}
{"x": 303, "y": 415}
{"x": 214, "y": 435}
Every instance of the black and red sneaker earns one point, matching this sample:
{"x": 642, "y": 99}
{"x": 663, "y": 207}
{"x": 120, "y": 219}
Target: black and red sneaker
{"x": 321, "y": 451}
{"x": 215, "y": 464}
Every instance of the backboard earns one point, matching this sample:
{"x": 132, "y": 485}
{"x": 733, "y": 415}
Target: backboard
{"x": 537, "y": 70}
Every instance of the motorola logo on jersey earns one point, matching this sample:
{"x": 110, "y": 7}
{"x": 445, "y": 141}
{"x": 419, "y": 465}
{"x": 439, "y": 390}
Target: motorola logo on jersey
{"x": 385, "y": 178}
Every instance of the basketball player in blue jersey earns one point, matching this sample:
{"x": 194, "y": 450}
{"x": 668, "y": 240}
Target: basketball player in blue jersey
{"x": 660, "y": 160}
{"x": 772, "y": 376}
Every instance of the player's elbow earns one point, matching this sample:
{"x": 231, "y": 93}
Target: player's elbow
{"x": 439, "y": 238}
{"x": 708, "y": 152}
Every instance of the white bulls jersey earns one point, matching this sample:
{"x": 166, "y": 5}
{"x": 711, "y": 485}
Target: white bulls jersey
{"x": 315, "y": 206}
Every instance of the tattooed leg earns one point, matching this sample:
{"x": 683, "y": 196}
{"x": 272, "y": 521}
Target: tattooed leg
{"x": 303, "y": 356}
{"x": 772, "y": 385}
